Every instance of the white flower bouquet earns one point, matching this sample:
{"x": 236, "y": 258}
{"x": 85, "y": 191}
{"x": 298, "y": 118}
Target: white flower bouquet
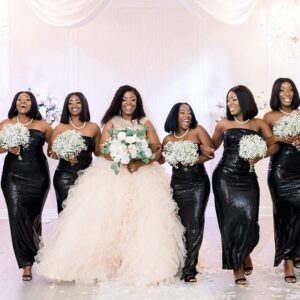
{"x": 68, "y": 144}
{"x": 288, "y": 126}
{"x": 14, "y": 135}
{"x": 126, "y": 145}
{"x": 183, "y": 153}
{"x": 252, "y": 146}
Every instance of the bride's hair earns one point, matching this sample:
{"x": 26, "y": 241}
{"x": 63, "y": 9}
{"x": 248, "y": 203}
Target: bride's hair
{"x": 115, "y": 106}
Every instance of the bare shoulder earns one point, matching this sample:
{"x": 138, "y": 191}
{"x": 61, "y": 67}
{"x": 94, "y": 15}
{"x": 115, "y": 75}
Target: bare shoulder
{"x": 167, "y": 139}
{"x": 5, "y": 122}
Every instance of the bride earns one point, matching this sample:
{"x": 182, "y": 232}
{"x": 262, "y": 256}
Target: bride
{"x": 121, "y": 226}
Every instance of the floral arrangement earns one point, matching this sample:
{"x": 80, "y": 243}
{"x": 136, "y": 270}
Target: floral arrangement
{"x": 14, "y": 135}
{"x": 288, "y": 126}
{"x": 252, "y": 146}
{"x": 126, "y": 145}
{"x": 47, "y": 107}
{"x": 68, "y": 144}
{"x": 183, "y": 153}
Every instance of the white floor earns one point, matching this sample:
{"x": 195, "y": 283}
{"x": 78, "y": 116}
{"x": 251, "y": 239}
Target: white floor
{"x": 266, "y": 282}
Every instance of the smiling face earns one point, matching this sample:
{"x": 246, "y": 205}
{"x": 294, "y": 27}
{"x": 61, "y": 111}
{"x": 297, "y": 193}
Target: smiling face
{"x": 184, "y": 117}
{"x": 128, "y": 105}
{"x": 233, "y": 104}
{"x": 286, "y": 94}
{"x": 74, "y": 105}
{"x": 23, "y": 104}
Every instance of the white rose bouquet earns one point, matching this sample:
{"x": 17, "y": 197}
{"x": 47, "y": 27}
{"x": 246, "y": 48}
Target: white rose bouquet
{"x": 68, "y": 144}
{"x": 183, "y": 153}
{"x": 288, "y": 126}
{"x": 252, "y": 146}
{"x": 126, "y": 145}
{"x": 14, "y": 135}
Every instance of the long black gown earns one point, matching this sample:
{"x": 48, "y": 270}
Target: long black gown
{"x": 25, "y": 184}
{"x": 284, "y": 185}
{"x": 236, "y": 194}
{"x": 66, "y": 174}
{"x": 191, "y": 189}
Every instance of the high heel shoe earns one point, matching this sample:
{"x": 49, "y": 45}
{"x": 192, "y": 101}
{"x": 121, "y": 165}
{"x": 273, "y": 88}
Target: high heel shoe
{"x": 190, "y": 278}
{"x": 297, "y": 263}
{"x": 239, "y": 277}
{"x": 248, "y": 267}
{"x": 28, "y": 275}
{"x": 289, "y": 275}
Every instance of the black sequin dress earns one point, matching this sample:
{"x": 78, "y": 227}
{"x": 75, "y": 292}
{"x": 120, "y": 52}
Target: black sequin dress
{"x": 66, "y": 174}
{"x": 191, "y": 188}
{"x": 284, "y": 185}
{"x": 236, "y": 193}
{"x": 25, "y": 184}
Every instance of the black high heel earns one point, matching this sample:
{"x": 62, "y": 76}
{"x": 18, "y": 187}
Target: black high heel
{"x": 190, "y": 278}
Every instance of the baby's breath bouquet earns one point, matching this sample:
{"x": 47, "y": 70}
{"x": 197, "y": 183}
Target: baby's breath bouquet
{"x": 288, "y": 126}
{"x": 14, "y": 135}
{"x": 126, "y": 145}
{"x": 183, "y": 153}
{"x": 68, "y": 144}
{"x": 252, "y": 146}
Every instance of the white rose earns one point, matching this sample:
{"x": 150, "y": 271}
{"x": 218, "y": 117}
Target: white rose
{"x": 121, "y": 136}
{"x": 130, "y": 139}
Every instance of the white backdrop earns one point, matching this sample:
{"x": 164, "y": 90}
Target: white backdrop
{"x": 164, "y": 48}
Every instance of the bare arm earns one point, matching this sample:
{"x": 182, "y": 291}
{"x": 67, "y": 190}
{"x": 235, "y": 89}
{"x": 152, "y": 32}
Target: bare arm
{"x": 267, "y": 134}
{"x": 206, "y": 141}
{"x": 104, "y": 137}
{"x": 97, "y": 150}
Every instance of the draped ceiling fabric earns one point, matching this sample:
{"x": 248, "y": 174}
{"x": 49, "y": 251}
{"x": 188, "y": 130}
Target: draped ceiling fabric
{"x": 67, "y": 13}
{"x": 226, "y": 11}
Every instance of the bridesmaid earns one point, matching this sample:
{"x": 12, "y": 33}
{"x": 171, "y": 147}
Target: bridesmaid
{"x": 284, "y": 181}
{"x": 191, "y": 184}
{"x": 236, "y": 190}
{"x": 25, "y": 183}
{"x": 75, "y": 116}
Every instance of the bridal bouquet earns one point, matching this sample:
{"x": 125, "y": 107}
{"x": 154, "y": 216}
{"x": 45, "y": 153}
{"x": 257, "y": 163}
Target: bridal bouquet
{"x": 14, "y": 135}
{"x": 181, "y": 153}
{"x": 252, "y": 146}
{"x": 68, "y": 144}
{"x": 288, "y": 126}
{"x": 126, "y": 145}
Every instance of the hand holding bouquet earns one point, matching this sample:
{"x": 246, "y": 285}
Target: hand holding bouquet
{"x": 14, "y": 136}
{"x": 183, "y": 153}
{"x": 68, "y": 145}
{"x": 127, "y": 145}
{"x": 252, "y": 146}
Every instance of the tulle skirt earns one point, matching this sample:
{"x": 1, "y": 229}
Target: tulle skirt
{"x": 121, "y": 226}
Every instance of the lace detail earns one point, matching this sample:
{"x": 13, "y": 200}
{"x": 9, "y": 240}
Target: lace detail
{"x": 120, "y": 123}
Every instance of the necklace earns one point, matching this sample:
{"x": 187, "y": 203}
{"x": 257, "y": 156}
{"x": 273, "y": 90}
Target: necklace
{"x": 180, "y": 137}
{"x": 241, "y": 122}
{"x": 24, "y": 124}
{"x": 284, "y": 112}
{"x": 76, "y": 127}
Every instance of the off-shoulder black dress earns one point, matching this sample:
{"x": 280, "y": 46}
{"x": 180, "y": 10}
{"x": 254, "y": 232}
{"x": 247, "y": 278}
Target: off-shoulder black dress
{"x": 25, "y": 184}
{"x": 191, "y": 188}
{"x": 66, "y": 174}
{"x": 284, "y": 185}
{"x": 236, "y": 194}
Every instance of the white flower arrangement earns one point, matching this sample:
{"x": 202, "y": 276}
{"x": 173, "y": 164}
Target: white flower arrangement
{"x": 183, "y": 153}
{"x": 48, "y": 107}
{"x": 68, "y": 144}
{"x": 14, "y": 135}
{"x": 288, "y": 126}
{"x": 252, "y": 146}
{"x": 126, "y": 145}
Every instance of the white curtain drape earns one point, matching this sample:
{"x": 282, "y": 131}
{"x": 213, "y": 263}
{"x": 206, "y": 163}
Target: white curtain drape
{"x": 225, "y": 11}
{"x": 66, "y": 13}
